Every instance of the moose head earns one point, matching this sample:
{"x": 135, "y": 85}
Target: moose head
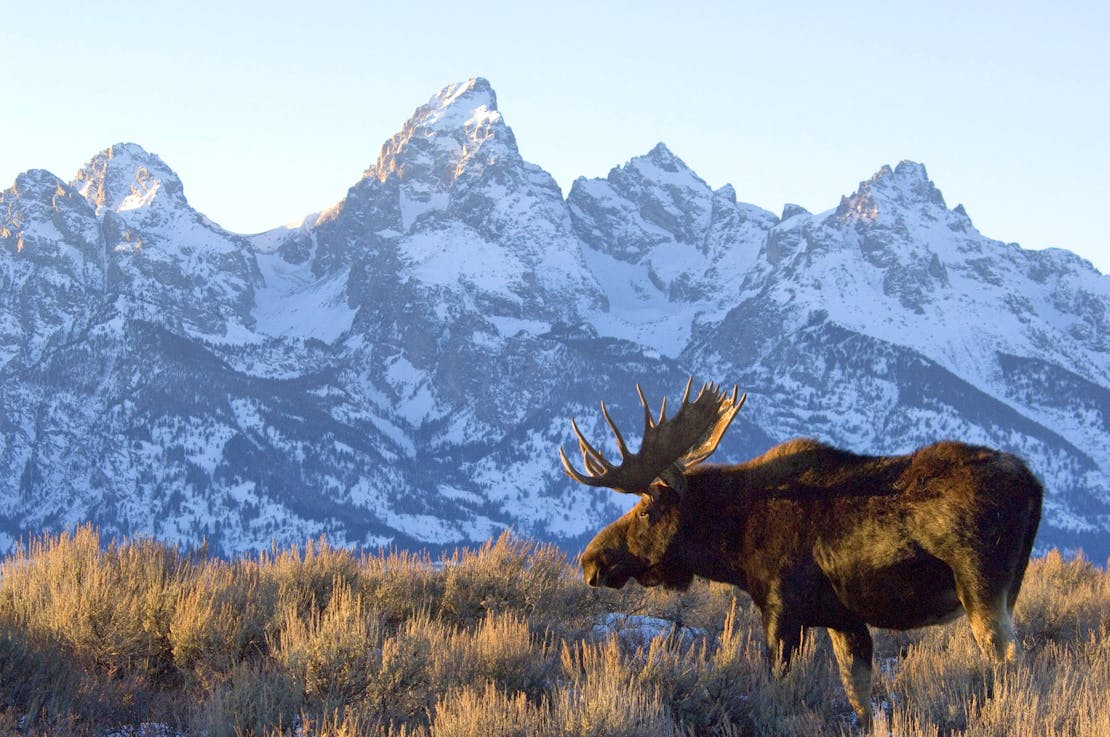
{"x": 641, "y": 543}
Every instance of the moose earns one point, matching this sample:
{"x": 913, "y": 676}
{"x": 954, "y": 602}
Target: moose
{"x": 819, "y": 537}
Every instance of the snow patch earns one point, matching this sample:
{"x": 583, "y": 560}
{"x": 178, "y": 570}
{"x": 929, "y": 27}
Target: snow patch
{"x": 295, "y": 303}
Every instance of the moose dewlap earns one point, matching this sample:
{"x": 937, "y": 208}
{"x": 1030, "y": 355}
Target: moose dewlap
{"x": 819, "y": 537}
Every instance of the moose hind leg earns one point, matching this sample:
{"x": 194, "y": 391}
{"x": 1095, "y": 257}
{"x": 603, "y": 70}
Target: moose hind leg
{"x": 994, "y": 630}
{"x": 988, "y": 612}
{"x": 853, "y": 651}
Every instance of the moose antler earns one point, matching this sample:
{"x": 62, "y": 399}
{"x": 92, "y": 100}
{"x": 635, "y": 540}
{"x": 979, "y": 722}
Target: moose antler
{"x": 669, "y": 447}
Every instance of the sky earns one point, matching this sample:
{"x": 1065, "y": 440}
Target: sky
{"x": 269, "y": 111}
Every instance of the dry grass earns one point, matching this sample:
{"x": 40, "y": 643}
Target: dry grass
{"x": 504, "y": 640}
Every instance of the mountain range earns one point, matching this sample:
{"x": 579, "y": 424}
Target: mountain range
{"x": 401, "y": 368}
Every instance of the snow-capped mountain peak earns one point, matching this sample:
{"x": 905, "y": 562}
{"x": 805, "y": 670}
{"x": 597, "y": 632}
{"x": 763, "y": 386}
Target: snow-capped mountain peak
{"x": 401, "y": 368}
{"x": 34, "y": 180}
{"x": 462, "y": 105}
{"x": 457, "y": 128}
{"x": 906, "y": 186}
{"x": 124, "y": 177}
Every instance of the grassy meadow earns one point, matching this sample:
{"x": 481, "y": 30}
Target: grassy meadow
{"x": 137, "y": 638}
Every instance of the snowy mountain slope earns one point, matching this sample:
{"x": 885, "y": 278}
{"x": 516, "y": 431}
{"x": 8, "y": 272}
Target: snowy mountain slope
{"x": 169, "y": 262}
{"x": 401, "y": 367}
{"x": 1011, "y": 343}
{"x": 667, "y": 250}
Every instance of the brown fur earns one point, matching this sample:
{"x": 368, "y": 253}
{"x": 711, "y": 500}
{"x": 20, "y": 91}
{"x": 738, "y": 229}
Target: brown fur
{"x": 824, "y": 538}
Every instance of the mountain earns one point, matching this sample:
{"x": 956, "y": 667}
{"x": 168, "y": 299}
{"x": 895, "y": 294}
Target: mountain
{"x": 400, "y": 369}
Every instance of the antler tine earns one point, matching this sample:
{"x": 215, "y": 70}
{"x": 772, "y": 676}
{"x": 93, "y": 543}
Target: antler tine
{"x": 570, "y": 470}
{"x": 577, "y": 475}
{"x": 617, "y": 433}
{"x": 595, "y": 462}
{"x": 596, "y": 465}
{"x": 648, "y": 422}
{"x": 592, "y": 466}
{"x": 686, "y": 394}
{"x": 707, "y": 387}
{"x": 662, "y": 412}
{"x": 726, "y": 409}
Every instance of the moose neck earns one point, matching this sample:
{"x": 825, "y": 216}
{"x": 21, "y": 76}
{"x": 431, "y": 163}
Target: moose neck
{"x": 713, "y": 518}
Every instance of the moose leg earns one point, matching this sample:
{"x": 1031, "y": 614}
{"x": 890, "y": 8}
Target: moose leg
{"x": 988, "y": 612}
{"x": 853, "y": 650}
{"x": 993, "y": 630}
{"x": 783, "y": 638}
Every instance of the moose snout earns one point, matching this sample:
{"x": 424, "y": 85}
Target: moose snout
{"x": 591, "y": 572}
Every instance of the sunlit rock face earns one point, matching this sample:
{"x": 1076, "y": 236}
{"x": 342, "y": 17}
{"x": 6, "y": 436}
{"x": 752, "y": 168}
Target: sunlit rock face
{"x": 400, "y": 368}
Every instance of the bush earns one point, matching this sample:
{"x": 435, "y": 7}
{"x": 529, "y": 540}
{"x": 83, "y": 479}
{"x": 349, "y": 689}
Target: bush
{"x": 221, "y": 620}
{"x": 253, "y": 700}
{"x": 503, "y": 640}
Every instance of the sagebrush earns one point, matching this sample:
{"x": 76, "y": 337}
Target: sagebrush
{"x": 97, "y": 637}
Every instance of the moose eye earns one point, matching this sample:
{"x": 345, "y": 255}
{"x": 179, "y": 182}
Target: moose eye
{"x": 644, "y": 513}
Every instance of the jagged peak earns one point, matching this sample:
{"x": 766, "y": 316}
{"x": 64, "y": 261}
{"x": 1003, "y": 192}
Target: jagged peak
{"x": 662, "y": 157}
{"x": 790, "y": 210}
{"x": 906, "y": 185}
{"x": 125, "y": 176}
{"x": 727, "y": 193}
{"x": 457, "y": 121}
{"x": 661, "y": 165}
{"x": 908, "y": 182}
{"x": 35, "y": 180}
{"x": 473, "y": 94}
{"x": 458, "y": 106}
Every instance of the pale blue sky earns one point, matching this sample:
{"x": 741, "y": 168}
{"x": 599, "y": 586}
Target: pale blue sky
{"x": 271, "y": 110}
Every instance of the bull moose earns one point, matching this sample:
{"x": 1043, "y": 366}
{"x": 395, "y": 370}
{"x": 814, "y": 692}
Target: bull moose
{"x": 819, "y": 537}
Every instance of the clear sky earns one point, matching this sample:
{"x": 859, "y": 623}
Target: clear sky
{"x": 271, "y": 110}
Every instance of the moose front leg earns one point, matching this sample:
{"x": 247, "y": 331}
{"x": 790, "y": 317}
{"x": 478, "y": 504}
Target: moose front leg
{"x": 783, "y": 637}
{"x": 853, "y": 650}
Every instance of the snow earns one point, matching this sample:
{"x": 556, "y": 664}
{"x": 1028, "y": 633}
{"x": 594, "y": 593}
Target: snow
{"x": 637, "y": 311}
{"x": 125, "y": 177}
{"x": 509, "y": 327}
{"x": 413, "y": 205}
{"x": 140, "y": 197}
{"x": 457, "y": 254}
{"x": 395, "y": 433}
{"x": 429, "y": 529}
{"x": 640, "y": 629}
{"x": 417, "y": 402}
{"x": 295, "y": 303}
{"x": 271, "y": 240}
{"x": 464, "y": 105}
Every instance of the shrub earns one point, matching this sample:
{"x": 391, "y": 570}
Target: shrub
{"x": 508, "y": 574}
{"x": 1062, "y": 600}
{"x": 111, "y": 608}
{"x": 255, "y": 699}
{"x": 401, "y": 585}
{"x": 331, "y": 653}
{"x": 305, "y": 578}
{"x": 221, "y": 620}
{"x": 503, "y": 640}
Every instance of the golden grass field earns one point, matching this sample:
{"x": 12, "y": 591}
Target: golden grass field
{"x": 137, "y": 638}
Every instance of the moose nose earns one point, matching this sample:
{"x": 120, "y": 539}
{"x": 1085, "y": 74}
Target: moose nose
{"x": 590, "y": 573}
